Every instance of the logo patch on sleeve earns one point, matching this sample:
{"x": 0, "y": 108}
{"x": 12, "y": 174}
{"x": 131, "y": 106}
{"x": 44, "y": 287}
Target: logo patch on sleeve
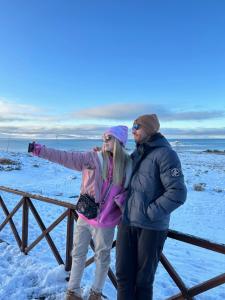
{"x": 175, "y": 172}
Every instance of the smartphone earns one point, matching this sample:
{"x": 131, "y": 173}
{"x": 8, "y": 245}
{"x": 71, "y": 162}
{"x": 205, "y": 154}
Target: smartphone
{"x": 31, "y": 147}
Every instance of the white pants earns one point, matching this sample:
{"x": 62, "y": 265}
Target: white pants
{"x": 103, "y": 238}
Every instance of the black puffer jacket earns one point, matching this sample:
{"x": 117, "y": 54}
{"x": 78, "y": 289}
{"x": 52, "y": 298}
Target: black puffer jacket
{"x": 157, "y": 185}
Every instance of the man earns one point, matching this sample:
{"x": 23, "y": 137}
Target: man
{"x": 156, "y": 189}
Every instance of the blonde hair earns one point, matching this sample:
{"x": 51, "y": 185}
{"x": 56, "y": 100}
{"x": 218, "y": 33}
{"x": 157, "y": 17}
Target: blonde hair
{"x": 120, "y": 161}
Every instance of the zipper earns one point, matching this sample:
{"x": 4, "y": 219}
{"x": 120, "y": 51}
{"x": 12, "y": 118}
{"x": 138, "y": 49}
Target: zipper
{"x": 106, "y": 193}
{"x": 104, "y": 198}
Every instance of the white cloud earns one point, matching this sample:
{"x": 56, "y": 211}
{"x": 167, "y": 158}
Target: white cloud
{"x": 10, "y": 108}
{"x": 197, "y": 132}
{"x": 95, "y": 131}
{"x": 84, "y": 131}
{"x": 16, "y": 112}
{"x": 132, "y": 111}
{"x": 19, "y": 120}
{"x": 115, "y": 111}
{"x": 192, "y": 115}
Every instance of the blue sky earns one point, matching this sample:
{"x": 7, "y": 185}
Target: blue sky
{"x": 73, "y": 68}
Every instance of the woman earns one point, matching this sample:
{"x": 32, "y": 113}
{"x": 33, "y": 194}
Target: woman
{"x": 105, "y": 176}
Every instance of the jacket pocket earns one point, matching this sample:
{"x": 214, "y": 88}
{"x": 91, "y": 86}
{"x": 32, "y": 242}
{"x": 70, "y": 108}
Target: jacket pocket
{"x": 137, "y": 209}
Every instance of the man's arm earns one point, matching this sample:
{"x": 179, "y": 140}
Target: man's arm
{"x": 172, "y": 180}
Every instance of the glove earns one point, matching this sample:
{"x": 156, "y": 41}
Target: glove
{"x": 37, "y": 149}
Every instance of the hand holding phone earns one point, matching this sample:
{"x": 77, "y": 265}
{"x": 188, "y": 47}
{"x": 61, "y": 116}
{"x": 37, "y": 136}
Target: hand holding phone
{"x": 31, "y": 147}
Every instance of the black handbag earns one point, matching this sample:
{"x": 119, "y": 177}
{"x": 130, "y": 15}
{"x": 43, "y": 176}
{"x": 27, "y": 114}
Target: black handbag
{"x": 86, "y": 206}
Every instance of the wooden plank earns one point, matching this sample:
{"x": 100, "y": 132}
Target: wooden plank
{"x": 10, "y": 215}
{"x": 191, "y": 239}
{"x": 11, "y": 223}
{"x": 207, "y": 285}
{"x": 25, "y": 216}
{"x": 175, "y": 276}
{"x": 69, "y": 239}
{"x": 202, "y": 287}
{"x": 38, "y": 197}
{"x": 112, "y": 277}
{"x": 46, "y": 235}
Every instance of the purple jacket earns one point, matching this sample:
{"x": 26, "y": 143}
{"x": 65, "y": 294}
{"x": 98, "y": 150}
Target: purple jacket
{"x": 90, "y": 164}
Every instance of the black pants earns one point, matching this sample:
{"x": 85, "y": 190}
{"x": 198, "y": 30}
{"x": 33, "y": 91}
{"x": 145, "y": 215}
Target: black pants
{"x": 137, "y": 255}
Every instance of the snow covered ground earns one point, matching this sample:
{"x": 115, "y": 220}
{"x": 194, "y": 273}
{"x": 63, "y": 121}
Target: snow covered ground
{"x": 38, "y": 276}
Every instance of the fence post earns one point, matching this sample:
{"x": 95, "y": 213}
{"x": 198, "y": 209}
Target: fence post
{"x": 25, "y": 215}
{"x": 69, "y": 239}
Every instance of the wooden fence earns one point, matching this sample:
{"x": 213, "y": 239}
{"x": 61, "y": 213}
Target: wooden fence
{"x": 70, "y": 214}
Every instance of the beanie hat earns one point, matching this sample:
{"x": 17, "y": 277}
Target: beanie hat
{"x": 150, "y": 123}
{"x": 119, "y": 132}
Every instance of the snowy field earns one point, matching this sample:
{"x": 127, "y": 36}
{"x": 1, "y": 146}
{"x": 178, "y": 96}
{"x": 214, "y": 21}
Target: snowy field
{"x": 38, "y": 276}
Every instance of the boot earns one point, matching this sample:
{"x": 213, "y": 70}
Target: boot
{"x": 72, "y": 296}
{"x": 96, "y": 296}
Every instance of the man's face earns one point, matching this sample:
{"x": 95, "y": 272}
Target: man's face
{"x": 138, "y": 133}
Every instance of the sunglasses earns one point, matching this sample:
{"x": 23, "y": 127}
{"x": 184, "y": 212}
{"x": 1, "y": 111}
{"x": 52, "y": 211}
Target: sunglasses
{"x": 136, "y": 126}
{"x": 107, "y": 138}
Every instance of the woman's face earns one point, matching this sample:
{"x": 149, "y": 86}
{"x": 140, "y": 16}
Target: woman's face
{"x": 108, "y": 143}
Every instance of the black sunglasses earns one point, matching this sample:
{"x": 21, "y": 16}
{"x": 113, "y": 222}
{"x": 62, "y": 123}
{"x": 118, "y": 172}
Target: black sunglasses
{"x": 107, "y": 138}
{"x": 136, "y": 126}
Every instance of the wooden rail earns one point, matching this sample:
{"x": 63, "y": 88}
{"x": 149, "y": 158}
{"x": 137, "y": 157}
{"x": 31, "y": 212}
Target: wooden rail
{"x": 71, "y": 215}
